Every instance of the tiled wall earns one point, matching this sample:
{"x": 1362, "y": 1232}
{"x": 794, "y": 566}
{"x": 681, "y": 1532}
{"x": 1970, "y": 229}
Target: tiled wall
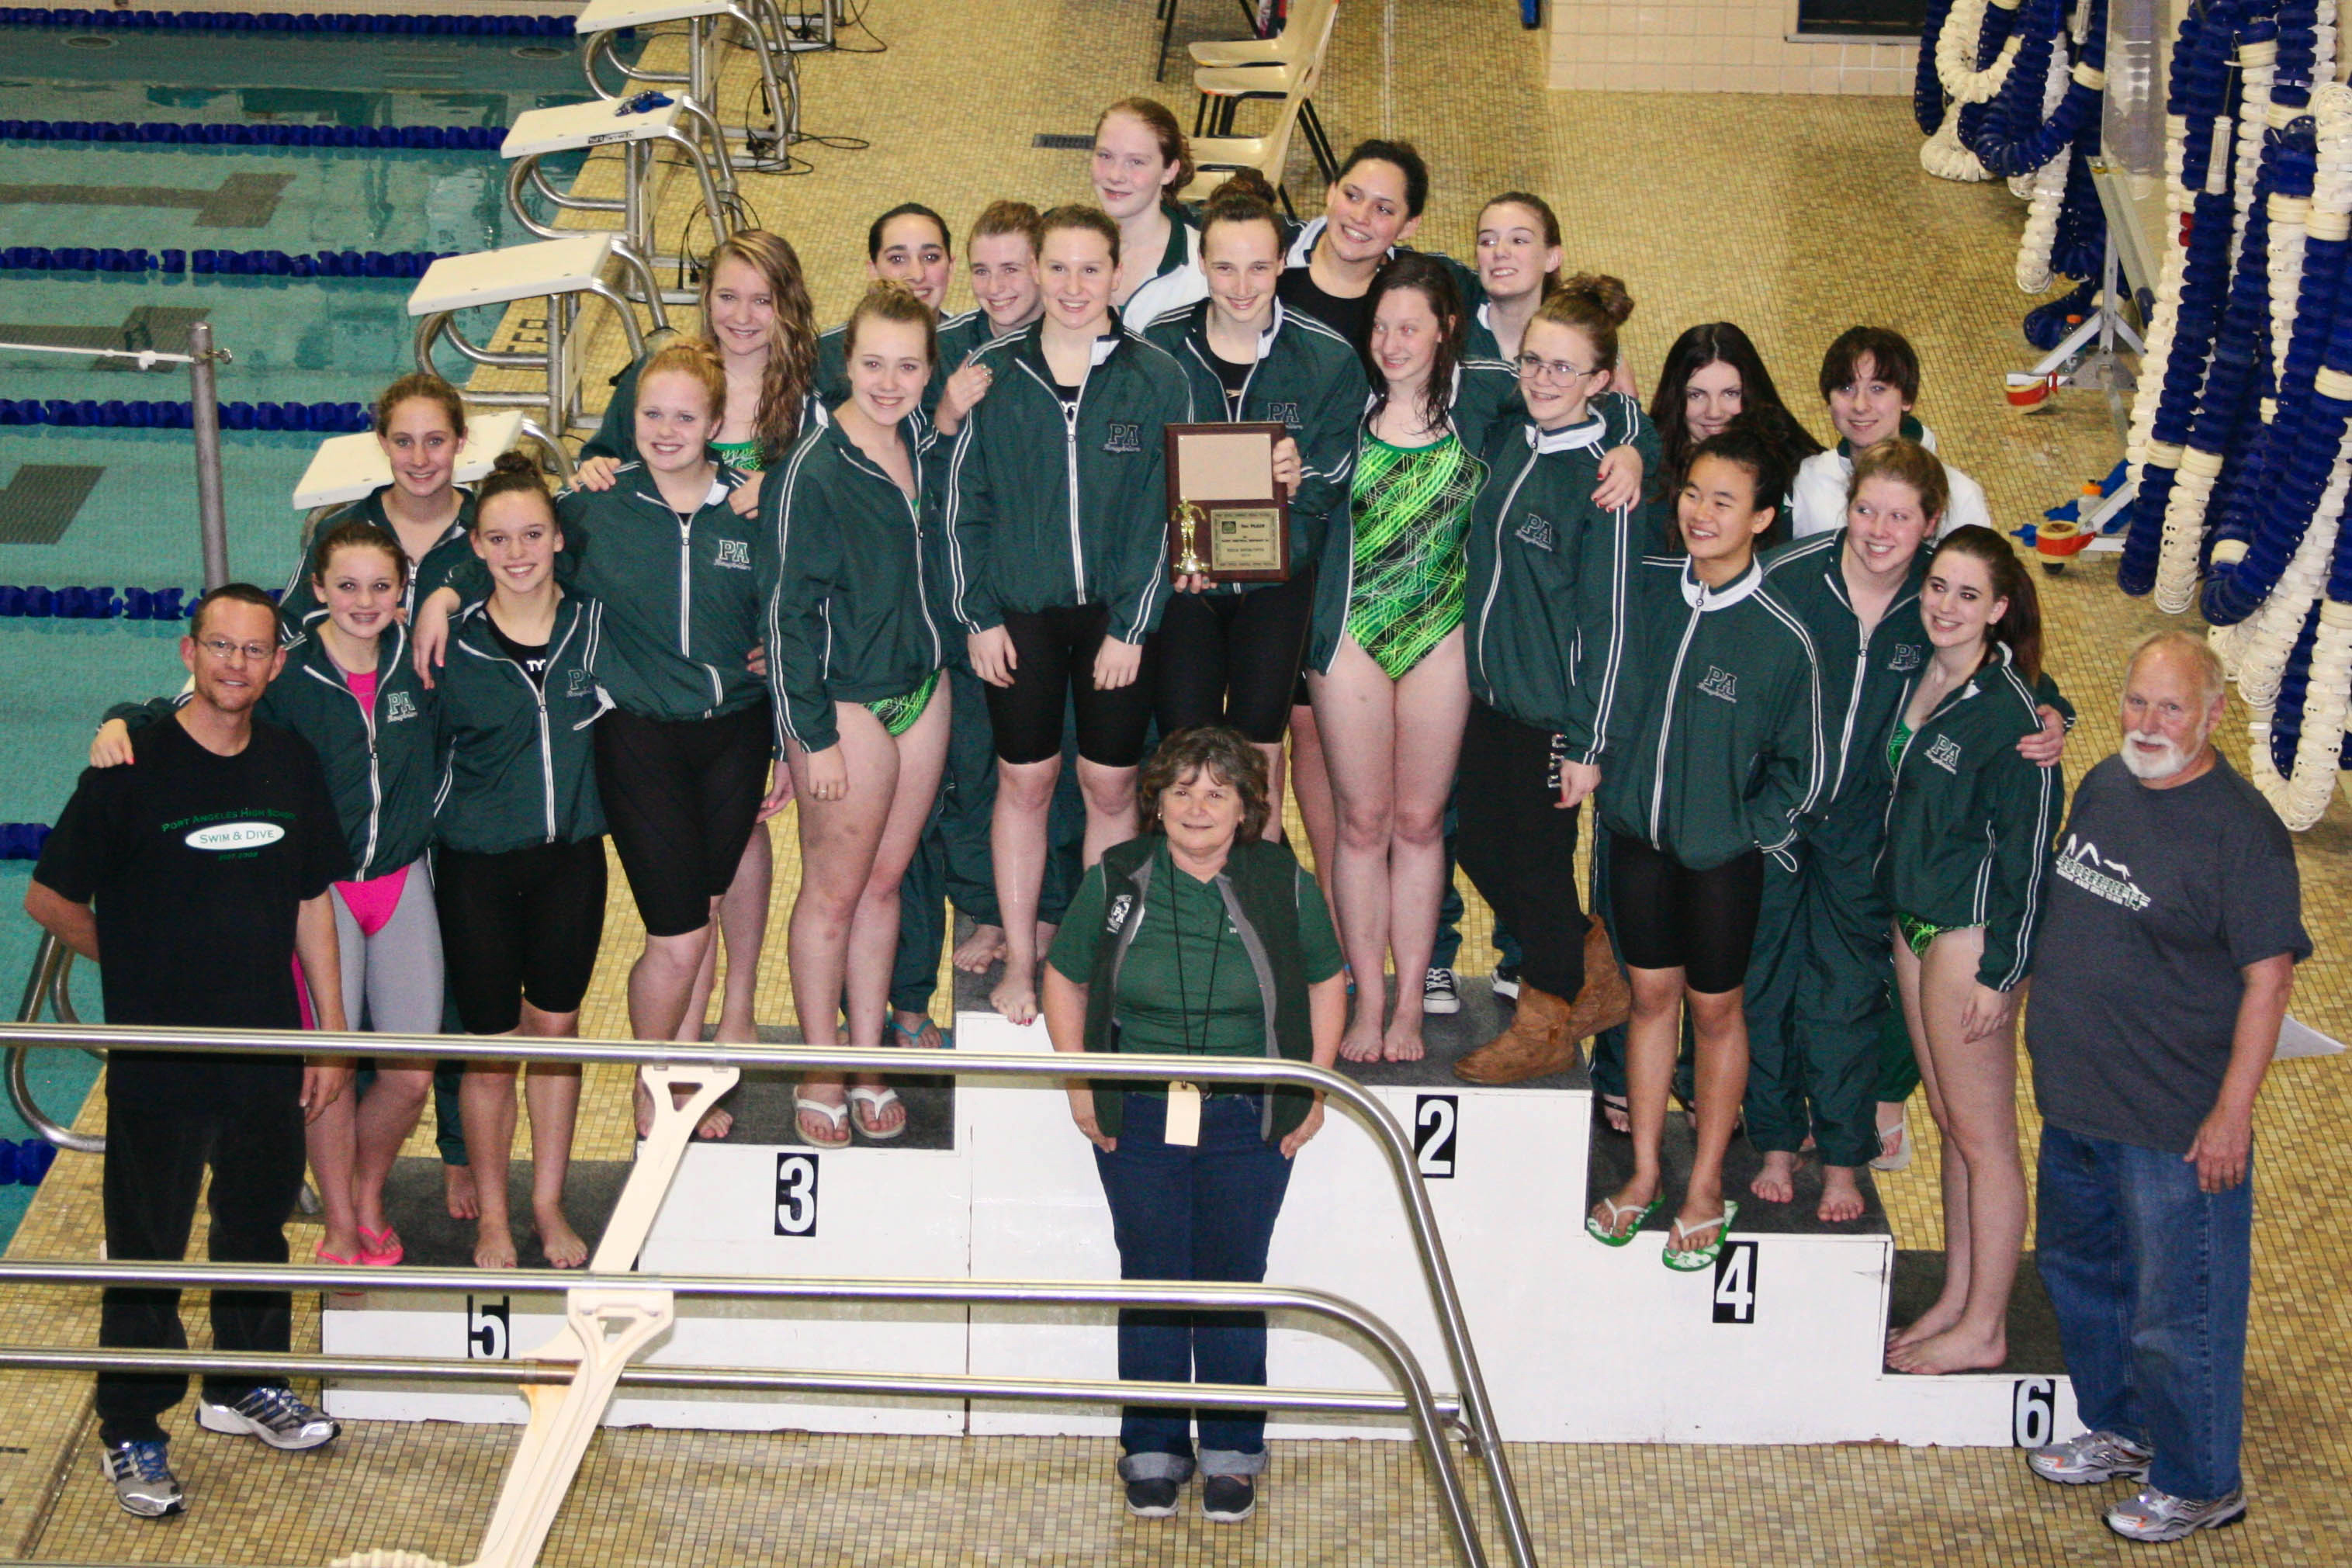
{"x": 1712, "y": 46}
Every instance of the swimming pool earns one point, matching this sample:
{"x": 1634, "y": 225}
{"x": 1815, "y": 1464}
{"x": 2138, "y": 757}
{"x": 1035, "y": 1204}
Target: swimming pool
{"x": 117, "y": 507}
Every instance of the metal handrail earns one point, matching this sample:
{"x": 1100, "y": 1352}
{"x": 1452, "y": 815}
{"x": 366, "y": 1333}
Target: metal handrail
{"x": 48, "y": 985}
{"x": 1485, "y": 1436}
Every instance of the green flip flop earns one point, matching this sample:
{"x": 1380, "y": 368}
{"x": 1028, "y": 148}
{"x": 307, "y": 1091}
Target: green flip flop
{"x": 1612, "y": 1237}
{"x": 1688, "y": 1261}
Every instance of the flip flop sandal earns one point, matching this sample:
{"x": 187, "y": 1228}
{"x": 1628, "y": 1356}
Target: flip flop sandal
{"x": 915, "y": 1038}
{"x": 381, "y": 1248}
{"x": 324, "y": 1256}
{"x": 835, "y": 1116}
{"x": 876, "y": 1101}
{"x": 1612, "y": 1237}
{"x": 1617, "y": 1102}
{"x": 1690, "y": 1260}
{"x": 1898, "y": 1156}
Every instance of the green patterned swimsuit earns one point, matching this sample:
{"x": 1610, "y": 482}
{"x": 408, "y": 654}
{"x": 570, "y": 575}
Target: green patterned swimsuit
{"x": 1411, "y": 508}
{"x": 1917, "y": 933}
{"x": 743, "y": 457}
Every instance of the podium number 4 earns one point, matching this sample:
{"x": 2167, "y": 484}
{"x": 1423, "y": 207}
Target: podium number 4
{"x": 1734, "y": 1283}
{"x": 795, "y": 1195}
{"x": 1435, "y": 1119}
{"x": 2033, "y": 1412}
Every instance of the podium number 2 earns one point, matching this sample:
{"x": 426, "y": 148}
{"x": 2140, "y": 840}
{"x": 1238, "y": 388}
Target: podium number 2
{"x": 1734, "y": 1283}
{"x": 2033, "y": 1412}
{"x": 1435, "y": 1119}
{"x": 795, "y": 1195}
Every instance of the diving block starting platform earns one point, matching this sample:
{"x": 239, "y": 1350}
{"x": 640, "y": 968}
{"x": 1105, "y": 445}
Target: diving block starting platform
{"x": 1780, "y": 1342}
{"x": 712, "y": 28}
{"x": 565, "y": 273}
{"x": 639, "y": 134}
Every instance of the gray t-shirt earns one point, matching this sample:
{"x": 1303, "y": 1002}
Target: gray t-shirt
{"x": 2159, "y": 897}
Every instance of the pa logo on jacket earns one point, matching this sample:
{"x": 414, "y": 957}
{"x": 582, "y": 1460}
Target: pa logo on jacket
{"x": 397, "y": 706}
{"x": 1945, "y": 754}
{"x": 1720, "y": 682}
{"x": 1124, "y": 437}
{"x": 1118, "y": 908}
{"x": 735, "y": 553}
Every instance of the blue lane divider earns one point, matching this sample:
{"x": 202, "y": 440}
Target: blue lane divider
{"x": 329, "y": 418}
{"x": 279, "y": 22}
{"x": 474, "y": 137}
{"x": 22, "y": 840}
{"x": 25, "y": 1164}
{"x": 221, "y": 263}
{"x": 33, "y": 601}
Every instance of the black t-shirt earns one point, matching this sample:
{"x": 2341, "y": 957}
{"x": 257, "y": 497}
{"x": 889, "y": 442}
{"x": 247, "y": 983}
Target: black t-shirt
{"x": 2158, "y": 898}
{"x": 531, "y": 656}
{"x": 195, "y": 865}
{"x": 1233, "y": 378}
{"x": 1351, "y": 319}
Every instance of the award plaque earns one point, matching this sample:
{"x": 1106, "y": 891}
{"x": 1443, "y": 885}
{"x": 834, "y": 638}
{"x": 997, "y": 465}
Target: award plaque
{"x": 1227, "y": 518}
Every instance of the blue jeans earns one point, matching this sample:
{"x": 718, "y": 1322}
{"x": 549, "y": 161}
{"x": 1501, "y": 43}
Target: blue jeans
{"x": 1204, "y": 1213}
{"x": 2149, "y": 1278}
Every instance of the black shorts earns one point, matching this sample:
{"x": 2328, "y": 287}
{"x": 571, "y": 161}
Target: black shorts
{"x": 1054, "y": 654}
{"x": 681, "y": 797}
{"x": 518, "y": 926}
{"x": 1234, "y": 658}
{"x": 1671, "y": 917}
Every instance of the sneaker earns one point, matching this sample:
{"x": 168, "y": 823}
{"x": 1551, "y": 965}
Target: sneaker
{"x": 2091, "y": 1456}
{"x": 1437, "y": 992}
{"x": 1506, "y": 982}
{"x": 1153, "y": 1499}
{"x": 1228, "y": 1500}
{"x": 2154, "y": 1516}
{"x": 272, "y": 1414}
{"x": 143, "y": 1482}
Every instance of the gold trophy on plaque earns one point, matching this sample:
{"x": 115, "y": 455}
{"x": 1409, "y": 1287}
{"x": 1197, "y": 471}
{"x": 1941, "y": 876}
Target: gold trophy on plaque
{"x": 1228, "y": 517}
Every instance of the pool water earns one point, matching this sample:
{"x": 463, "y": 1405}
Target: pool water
{"x": 303, "y": 340}
{"x": 291, "y": 79}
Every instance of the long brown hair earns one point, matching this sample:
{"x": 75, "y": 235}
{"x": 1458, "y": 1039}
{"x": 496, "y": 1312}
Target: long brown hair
{"x": 1432, "y": 278}
{"x": 1593, "y": 304}
{"x": 2019, "y": 626}
{"x": 792, "y": 341}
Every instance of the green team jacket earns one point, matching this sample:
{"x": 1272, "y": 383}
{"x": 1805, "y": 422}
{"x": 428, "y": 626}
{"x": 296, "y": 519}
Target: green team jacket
{"x": 854, "y": 615}
{"x": 1969, "y": 821}
{"x": 1309, "y": 381}
{"x": 518, "y": 763}
{"x": 616, "y": 434}
{"x": 683, "y": 600}
{"x": 1715, "y": 745}
{"x": 1864, "y": 683}
{"x": 955, "y": 342}
{"x": 1047, "y": 508}
{"x": 1545, "y": 601}
{"x": 379, "y": 760}
{"x": 448, "y": 554}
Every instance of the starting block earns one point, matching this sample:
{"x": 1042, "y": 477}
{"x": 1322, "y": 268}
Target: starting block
{"x": 639, "y": 134}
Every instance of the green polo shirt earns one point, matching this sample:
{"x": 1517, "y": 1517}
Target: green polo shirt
{"x": 1187, "y": 988}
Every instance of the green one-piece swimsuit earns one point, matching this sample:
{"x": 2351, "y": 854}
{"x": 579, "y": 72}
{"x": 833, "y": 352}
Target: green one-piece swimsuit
{"x": 1917, "y": 933}
{"x": 1409, "y": 507}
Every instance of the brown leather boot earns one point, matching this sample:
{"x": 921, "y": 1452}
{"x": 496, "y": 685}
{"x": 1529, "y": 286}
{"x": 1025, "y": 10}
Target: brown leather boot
{"x": 1606, "y": 1000}
{"x": 1534, "y": 1045}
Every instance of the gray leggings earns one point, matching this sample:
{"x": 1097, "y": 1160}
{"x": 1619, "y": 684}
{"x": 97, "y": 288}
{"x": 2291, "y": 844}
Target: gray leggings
{"x": 392, "y": 980}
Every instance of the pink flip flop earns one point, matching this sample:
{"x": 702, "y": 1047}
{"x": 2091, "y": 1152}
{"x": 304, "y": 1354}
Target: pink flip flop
{"x": 381, "y": 1248}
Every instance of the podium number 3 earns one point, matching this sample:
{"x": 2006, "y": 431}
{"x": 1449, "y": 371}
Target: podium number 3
{"x": 1436, "y": 1118}
{"x": 795, "y": 1195}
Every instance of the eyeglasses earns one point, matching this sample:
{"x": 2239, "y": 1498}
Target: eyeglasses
{"x": 223, "y": 649}
{"x": 1558, "y": 371}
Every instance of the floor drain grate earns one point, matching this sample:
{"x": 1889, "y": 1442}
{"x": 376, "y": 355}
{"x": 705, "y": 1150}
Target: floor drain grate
{"x": 1062, "y": 141}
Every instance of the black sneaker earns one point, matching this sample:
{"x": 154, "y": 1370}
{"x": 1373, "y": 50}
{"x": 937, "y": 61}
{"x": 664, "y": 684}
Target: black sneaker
{"x": 1437, "y": 992}
{"x": 1228, "y": 1500}
{"x": 1153, "y": 1499}
{"x": 1506, "y": 982}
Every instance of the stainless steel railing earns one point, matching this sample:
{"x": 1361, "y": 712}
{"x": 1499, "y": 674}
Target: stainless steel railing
{"x": 1476, "y": 1412}
{"x": 48, "y": 986}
